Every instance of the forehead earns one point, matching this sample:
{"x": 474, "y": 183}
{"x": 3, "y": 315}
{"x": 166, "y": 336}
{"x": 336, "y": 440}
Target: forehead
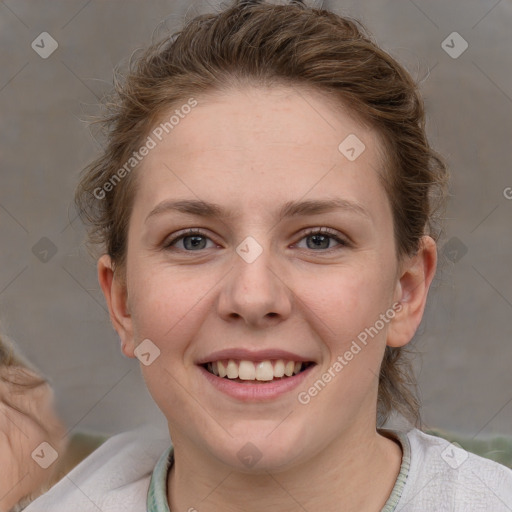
{"x": 263, "y": 144}
{"x": 296, "y": 115}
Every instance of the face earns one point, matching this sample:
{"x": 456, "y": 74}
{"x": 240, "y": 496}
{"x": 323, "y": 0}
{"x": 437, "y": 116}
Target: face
{"x": 292, "y": 266}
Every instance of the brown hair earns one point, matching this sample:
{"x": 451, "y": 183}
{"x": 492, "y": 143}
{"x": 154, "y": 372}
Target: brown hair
{"x": 263, "y": 44}
{"x": 15, "y": 370}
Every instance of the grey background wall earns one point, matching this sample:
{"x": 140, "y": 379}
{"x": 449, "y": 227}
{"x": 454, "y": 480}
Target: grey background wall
{"x": 50, "y": 302}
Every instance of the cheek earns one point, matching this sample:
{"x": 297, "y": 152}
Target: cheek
{"x": 346, "y": 300}
{"x": 159, "y": 298}
{"x": 166, "y": 310}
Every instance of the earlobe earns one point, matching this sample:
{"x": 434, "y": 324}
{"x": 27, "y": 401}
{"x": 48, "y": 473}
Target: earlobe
{"x": 115, "y": 293}
{"x": 416, "y": 275}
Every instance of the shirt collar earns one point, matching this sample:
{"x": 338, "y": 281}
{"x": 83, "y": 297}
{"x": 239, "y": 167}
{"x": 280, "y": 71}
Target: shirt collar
{"x": 157, "y": 493}
{"x": 398, "y": 488}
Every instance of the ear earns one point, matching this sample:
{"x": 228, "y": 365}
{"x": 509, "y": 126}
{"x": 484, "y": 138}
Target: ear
{"x": 116, "y": 295}
{"x": 415, "y": 276}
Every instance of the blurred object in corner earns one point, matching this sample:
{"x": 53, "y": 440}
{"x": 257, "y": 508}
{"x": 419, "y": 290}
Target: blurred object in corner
{"x": 32, "y": 437}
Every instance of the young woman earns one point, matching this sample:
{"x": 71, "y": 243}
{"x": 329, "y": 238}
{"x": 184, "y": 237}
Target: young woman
{"x": 266, "y": 209}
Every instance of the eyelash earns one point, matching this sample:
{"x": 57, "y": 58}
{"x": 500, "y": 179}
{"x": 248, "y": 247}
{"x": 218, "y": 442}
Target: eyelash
{"x": 312, "y": 231}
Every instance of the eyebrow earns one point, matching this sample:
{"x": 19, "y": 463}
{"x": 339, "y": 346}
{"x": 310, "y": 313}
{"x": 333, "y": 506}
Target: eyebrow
{"x": 290, "y": 209}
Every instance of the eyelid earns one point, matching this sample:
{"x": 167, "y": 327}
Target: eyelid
{"x": 183, "y": 234}
{"x": 342, "y": 240}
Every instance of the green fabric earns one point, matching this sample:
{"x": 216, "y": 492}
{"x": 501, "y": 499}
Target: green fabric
{"x": 496, "y": 448}
{"x": 157, "y": 492}
{"x": 398, "y": 488}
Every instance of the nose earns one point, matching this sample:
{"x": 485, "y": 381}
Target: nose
{"x": 255, "y": 291}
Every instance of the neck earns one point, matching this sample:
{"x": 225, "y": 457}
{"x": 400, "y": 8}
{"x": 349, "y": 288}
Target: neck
{"x": 337, "y": 478}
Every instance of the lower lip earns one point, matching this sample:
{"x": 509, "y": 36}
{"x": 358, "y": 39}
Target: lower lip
{"x": 256, "y": 391}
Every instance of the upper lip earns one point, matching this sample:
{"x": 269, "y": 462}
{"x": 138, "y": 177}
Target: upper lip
{"x": 242, "y": 354}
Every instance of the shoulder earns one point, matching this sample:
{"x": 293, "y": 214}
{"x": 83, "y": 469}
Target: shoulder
{"x": 113, "y": 478}
{"x": 444, "y": 476}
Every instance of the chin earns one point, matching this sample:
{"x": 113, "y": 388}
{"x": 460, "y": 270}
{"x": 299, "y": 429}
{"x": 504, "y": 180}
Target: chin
{"x": 260, "y": 450}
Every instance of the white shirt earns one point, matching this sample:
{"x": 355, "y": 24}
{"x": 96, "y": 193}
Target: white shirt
{"x": 445, "y": 478}
{"x": 435, "y": 476}
{"x": 114, "y": 478}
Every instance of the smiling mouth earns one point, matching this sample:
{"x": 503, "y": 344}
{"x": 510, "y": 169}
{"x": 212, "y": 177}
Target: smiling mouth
{"x": 256, "y": 371}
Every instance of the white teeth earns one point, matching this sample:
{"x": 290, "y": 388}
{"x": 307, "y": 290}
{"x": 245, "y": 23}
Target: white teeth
{"x": 232, "y": 369}
{"x": 222, "y": 369}
{"x": 261, "y": 371}
{"x": 288, "y": 369}
{"x": 279, "y": 368}
{"x": 246, "y": 370}
{"x": 264, "y": 371}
